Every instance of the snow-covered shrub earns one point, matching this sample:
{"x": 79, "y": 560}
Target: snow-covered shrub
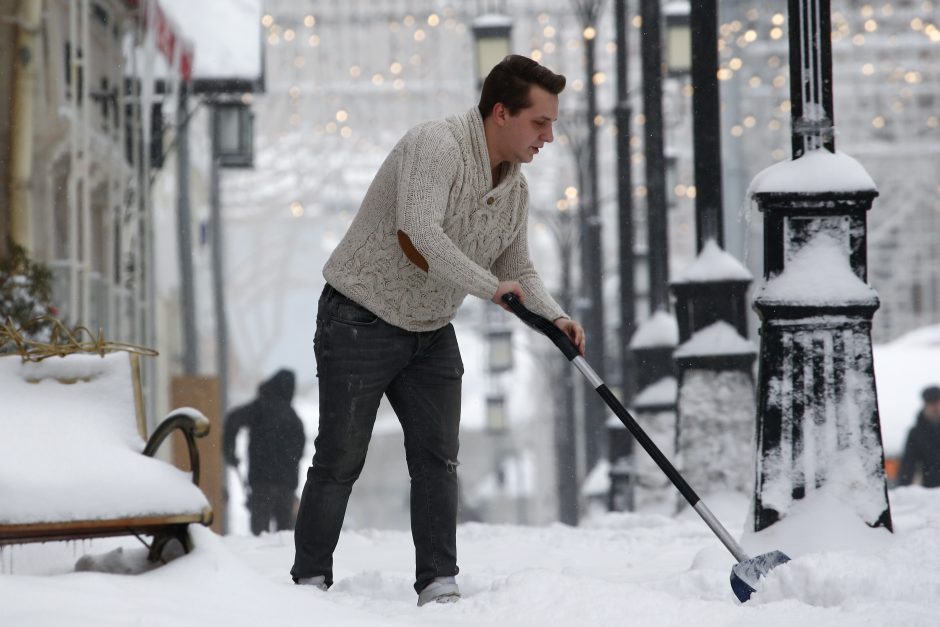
{"x": 25, "y": 295}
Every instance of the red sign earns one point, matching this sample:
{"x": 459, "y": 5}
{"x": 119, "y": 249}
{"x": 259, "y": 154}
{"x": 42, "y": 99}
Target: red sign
{"x": 167, "y": 40}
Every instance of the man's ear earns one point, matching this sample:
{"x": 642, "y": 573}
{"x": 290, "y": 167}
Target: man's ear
{"x": 500, "y": 113}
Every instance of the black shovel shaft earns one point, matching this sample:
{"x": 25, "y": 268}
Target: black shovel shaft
{"x": 558, "y": 337}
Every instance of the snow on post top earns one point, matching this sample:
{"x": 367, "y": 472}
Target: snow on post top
{"x": 815, "y": 172}
{"x": 663, "y": 392}
{"x": 719, "y": 338}
{"x": 818, "y": 274}
{"x": 714, "y": 264}
{"x": 598, "y": 480}
{"x": 679, "y": 7}
{"x": 661, "y": 329}
{"x": 492, "y": 20}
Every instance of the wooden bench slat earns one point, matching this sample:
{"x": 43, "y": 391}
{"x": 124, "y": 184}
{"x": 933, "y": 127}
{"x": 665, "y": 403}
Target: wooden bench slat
{"x": 35, "y": 532}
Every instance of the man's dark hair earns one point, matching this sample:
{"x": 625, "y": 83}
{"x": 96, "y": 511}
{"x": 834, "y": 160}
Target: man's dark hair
{"x": 509, "y": 82}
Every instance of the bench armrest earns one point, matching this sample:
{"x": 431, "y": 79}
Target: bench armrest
{"x": 192, "y": 423}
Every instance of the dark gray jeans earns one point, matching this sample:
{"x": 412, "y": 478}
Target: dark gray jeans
{"x": 360, "y": 358}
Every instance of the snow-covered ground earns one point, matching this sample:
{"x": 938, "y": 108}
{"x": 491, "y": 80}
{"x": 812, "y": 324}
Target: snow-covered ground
{"x": 638, "y": 569}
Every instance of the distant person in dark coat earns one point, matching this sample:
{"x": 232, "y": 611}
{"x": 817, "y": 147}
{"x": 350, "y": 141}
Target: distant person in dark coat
{"x": 923, "y": 443}
{"x": 275, "y": 446}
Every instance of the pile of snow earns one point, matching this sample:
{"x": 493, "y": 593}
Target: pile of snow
{"x": 648, "y": 569}
{"x": 719, "y": 338}
{"x": 716, "y": 429}
{"x": 714, "y": 264}
{"x": 818, "y": 274}
{"x": 660, "y": 329}
{"x": 816, "y": 171}
{"x": 72, "y": 451}
{"x": 663, "y": 392}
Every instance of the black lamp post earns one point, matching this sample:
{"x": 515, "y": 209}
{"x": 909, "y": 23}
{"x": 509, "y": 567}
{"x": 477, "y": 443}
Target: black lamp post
{"x": 715, "y": 409}
{"x": 620, "y": 442}
{"x": 658, "y": 237}
{"x": 706, "y": 123}
{"x": 592, "y": 301}
{"x": 817, "y": 416}
{"x": 232, "y": 129}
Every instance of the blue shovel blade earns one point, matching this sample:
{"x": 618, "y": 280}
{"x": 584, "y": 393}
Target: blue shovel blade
{"x": 744, "y": 575}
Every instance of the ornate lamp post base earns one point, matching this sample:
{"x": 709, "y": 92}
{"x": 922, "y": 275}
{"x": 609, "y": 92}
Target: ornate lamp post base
{"x": 818, "y": 427}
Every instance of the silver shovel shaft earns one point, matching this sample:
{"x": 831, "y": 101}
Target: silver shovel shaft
{"x": 598, "y": 384}
{"x": 721, "y": 532}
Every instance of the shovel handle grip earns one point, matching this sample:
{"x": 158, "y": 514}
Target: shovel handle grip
{"x": 542, "y": 325}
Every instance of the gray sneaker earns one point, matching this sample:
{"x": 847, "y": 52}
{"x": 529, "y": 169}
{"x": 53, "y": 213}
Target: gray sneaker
{"x": 318, "y": 582}
{"x": 441, "y": 590}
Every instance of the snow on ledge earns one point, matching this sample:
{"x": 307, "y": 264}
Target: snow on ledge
{"x": 818, "y": 274}
{"x": 719, "y": 338}
{"x": 660, "y": 329}
{"x": 491, "y": 20}
{"x": 815, "y": 172}
{"x": 226, "y": 36}
{"x": 71, "y": 451}
{"x": 714, "y": 264}
{"x": 198, "y": 417}
{"x": 663, "y": 392}
{"x": 598, "y": 480}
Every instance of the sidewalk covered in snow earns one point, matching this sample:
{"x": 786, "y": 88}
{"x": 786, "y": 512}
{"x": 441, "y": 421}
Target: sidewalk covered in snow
{"x": 616, "y": 569}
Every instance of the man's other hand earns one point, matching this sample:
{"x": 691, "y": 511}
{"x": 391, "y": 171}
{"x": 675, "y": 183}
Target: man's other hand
{"x": 573, "y": 330}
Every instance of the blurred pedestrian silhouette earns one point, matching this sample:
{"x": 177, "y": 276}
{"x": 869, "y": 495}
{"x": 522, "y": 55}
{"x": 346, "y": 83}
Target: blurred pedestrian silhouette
{"x": 275, "y": 446}
{"x": 922, "y": 452}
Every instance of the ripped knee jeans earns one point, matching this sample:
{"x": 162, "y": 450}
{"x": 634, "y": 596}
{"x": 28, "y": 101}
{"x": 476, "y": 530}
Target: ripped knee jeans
{"x": 360, "y": 358}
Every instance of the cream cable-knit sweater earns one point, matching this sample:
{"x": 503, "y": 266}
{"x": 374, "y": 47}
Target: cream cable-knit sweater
{"x": 436, "y": 186}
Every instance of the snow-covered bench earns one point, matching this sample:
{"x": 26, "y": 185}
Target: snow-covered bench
{"x": 74, "y": 462}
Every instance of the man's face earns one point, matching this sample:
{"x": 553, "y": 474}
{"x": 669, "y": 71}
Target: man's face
{"x": 932, "y": 410}
{"x": 524, "y": 134}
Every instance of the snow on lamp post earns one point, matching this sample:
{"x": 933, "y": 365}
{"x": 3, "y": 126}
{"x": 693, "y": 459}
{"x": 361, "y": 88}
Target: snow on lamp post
{"x": 818, "y": 427}
{"x": 655, "y": 409}
{"x": 715, "y": 405}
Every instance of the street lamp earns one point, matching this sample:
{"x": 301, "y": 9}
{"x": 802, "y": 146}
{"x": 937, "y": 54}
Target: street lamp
{"x": 678, "y": 39}
{"x": 232, "y": 131}
{"x": 233, "y": 135}
{"x": 492, "y": 34}
{"x": 500, "y": 351}
{"x": 496, "y": 415}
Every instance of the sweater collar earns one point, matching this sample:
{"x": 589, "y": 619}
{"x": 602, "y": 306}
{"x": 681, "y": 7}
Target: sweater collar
{"x": 474, "y": 123}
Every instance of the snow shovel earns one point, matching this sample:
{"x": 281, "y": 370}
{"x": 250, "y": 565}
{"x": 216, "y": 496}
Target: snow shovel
{"x": 744, "y": 574}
